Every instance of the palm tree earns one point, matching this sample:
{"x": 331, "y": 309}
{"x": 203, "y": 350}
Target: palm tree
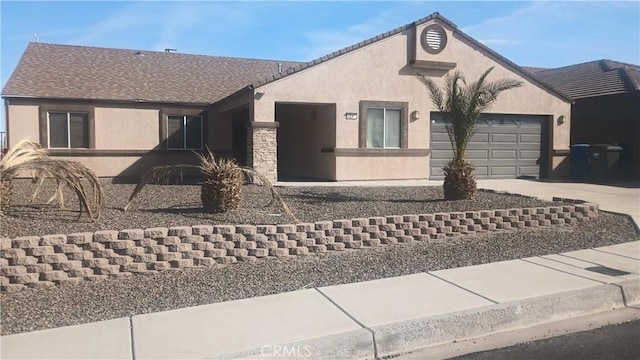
{"x": 222, "y": 183}
{"x": 28, "y": 157}
{"x": 461, "y": 105}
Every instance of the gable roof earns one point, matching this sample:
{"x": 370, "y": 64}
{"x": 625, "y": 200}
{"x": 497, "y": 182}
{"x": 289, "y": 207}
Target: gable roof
{"x": 595, "y": 78}
{"x": 81, "y": 72}
{"x": 435, "y": 16}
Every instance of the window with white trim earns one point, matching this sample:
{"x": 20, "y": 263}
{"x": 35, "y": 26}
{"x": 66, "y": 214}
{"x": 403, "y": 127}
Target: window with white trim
{"x": 384, "y": 128}
{"x": 68, "y": 130}
{"x": 184, "y": 132}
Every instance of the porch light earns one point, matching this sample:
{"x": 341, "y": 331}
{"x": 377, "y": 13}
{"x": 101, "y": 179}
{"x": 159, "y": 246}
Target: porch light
{"x": 415, "y": 115}
{"x": 561, "y": 120}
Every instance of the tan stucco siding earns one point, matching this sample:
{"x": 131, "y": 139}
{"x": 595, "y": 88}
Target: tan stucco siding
{"x": 381, "y": 72}
{"x": 371, "y": 73}
{"x": 24, "y": 124}
{"x": 130, "y": 129}
{"x": 381, "y": 168}
{"x": 129, "y": 166}
{"x": 528, "y": 99}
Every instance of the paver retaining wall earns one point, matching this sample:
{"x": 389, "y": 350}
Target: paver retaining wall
{"x": 42, "y": 261}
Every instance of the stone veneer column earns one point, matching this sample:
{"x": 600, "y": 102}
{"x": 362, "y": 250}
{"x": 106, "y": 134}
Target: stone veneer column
{"x": 262, "y": 148}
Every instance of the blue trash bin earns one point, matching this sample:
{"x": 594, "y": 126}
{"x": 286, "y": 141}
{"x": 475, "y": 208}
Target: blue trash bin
{"x": 580, "y": 161}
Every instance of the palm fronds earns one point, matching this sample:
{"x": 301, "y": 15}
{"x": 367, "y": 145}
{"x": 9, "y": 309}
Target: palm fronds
{"x": 275, "y": 196}
{"x": 158, "y": 175}
{"x": 222, "y": 183}
{"x": 29, "y": 157}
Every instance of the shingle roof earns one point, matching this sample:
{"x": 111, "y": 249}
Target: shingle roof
{"x": 80, "y": 72}
{"x": 595, "y": 78}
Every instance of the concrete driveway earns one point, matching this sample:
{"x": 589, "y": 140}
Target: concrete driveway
{"x": 618, "y": 199}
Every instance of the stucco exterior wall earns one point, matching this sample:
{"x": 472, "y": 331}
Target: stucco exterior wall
{"x": 381, "y": 72}
{"x": 130, "y": 129}
{"x": 130, "y": 166}
{"x": 127, "y": 139}
{"x": 24, "y": 123}
{"x": 381, "y": 168}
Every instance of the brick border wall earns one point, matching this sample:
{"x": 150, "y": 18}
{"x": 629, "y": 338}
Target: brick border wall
{"x": 42, "y": 261}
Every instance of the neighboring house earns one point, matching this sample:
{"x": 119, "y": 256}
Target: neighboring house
{"x": 606, "y": 107}
{"x": 359, "y": 113}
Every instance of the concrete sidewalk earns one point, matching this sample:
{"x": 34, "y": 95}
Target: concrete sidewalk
{"x": 362, "y": 320}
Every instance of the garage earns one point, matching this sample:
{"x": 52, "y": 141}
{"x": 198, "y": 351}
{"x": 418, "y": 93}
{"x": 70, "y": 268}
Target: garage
{"x": 504, "y": 146}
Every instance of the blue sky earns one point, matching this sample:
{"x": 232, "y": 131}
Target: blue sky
{"x": 530, "y": 33}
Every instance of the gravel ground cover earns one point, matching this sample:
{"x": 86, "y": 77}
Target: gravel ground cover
{"x": 35, "y": 309}
{"x": 179, "y": 205}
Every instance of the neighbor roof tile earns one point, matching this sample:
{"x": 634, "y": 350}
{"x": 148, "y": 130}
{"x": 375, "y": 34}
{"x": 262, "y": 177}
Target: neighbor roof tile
{"x": 595, "y": 78}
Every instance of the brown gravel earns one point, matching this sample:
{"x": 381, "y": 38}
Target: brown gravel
{"x": 179, "y": 205}
{"x": 35, "y": 309}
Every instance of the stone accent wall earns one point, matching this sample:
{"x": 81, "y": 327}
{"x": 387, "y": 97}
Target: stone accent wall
{"x": 41, "y": 261}
{"x": 262, "y": 151}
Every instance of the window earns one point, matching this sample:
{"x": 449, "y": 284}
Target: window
{"x": 184, "y": 132}
{"x": 68, "y": 130}
{"x": 383, "y": 128}
{"x": 383, "y": 125}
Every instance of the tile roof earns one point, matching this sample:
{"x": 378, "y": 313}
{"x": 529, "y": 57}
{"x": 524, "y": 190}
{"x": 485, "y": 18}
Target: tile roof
{"x": 595, "y": 78}
{"x": 533, "y": 69}
{"x": 80, "y": 72}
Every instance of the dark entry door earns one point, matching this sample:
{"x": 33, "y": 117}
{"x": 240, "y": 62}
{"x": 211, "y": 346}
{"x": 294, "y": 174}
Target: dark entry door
{"x": 239, "y": 122}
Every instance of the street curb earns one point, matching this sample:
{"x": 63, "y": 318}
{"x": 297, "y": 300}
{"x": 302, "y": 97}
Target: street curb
{"x": 357, "y": 344}
{"x": 411, "y": 335}
{"x": 631, "y": 292}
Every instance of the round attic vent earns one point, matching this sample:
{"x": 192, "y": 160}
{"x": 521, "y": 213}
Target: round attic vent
{"x": 433, "y": 39}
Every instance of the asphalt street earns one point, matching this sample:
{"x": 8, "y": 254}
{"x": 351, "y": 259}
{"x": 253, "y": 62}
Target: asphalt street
{"x": 615, "y": 342}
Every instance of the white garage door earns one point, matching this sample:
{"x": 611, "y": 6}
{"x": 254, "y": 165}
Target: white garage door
{"x": 505, "y": 146}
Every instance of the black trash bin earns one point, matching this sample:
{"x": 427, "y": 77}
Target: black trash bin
{"x": 604, "y": 161}
{"x": 580, "y": 161}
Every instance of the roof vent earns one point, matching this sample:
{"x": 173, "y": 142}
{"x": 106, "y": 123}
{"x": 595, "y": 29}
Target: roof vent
{"x": 139, "y": 53}
{"x": 279, "y": 68}
{"x": 170, "y": 50}
{"x": 433, "y": 39}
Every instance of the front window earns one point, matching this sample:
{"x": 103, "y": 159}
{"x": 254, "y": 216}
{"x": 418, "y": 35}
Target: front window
{"x": 383, "y": 125}
{"x": 384, "y": 128}
{"x": 184, "y": 132}
{"x": 68, "y": 130}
